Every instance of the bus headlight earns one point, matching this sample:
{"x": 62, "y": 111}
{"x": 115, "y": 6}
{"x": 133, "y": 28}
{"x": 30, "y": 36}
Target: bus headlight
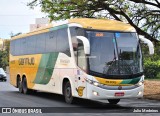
{"x": 89, "y": 81}
{"x": 95, "y": 83}
{"x": 92, "y": 82}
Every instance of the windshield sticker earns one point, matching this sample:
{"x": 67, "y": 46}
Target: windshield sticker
{"x": 117, "y": 35}
{"x": 114, "y": 40}
{"x": 99, "y": 34}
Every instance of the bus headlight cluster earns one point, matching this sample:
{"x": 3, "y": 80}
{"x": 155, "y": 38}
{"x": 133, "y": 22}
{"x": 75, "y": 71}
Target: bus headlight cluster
{"x": 89, "y": 81}
{"x": 95, "y": 83}
{"x": 92, "y": 82}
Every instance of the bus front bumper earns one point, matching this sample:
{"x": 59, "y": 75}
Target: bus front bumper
{"x": 97, "y": 93}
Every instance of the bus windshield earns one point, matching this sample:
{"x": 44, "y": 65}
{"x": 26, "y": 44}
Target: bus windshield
{"x": 114, "y": 54}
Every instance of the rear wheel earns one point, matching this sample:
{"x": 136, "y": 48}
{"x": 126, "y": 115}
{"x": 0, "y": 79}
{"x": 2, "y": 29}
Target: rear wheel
{"x": 68, "y": 93}
{"x": 20, "y": 86}
{"x": 113, "y": 101}
{"x": 25, "y": 87}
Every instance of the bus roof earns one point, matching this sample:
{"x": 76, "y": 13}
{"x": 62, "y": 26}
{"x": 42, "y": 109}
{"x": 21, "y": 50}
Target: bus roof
{"x": 103, "y": 24}
{"x": 88, "y": 23}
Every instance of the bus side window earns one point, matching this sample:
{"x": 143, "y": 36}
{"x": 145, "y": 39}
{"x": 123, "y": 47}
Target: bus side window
{"x": 74, "y": 41}
{"x": 63, "y": 42}
{"x": 51, "y": 42}
{"x": 40, "y": 43}
{"x": 23, "y": 46}
{"x": 81, "y": 59}
{"x": 17, "y": 46}
{"x": 31, "y": 44}
{"x": 12, "y": 48}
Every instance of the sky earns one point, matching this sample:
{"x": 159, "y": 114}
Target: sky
{"x": 16, "y": 16}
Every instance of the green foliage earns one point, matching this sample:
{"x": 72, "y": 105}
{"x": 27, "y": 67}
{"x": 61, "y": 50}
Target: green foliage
{"x": 143, "y": 15}
{"x": 152, "y": 63}
{"x": 4, "y": 55}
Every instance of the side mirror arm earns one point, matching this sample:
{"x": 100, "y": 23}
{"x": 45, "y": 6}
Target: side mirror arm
{"x": 85, "y": 43}
{"x": 149, "y": 43}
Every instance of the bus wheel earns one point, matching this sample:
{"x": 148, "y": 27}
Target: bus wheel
{"x": 113, "y": 101}
{"x": 24, "y": 84}
{"x": 68, "y": 93}
{"x": 20, "y": 86}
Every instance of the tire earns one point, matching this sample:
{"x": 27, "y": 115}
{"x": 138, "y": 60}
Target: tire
{"x": 68, "y": 93}
{"x": 20, "y": 86}
{"x": 113, "y": 101}
{"x": 25, "y": 87}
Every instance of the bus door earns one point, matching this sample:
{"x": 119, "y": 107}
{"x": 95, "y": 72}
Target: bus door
{"x": 82, "y": 66}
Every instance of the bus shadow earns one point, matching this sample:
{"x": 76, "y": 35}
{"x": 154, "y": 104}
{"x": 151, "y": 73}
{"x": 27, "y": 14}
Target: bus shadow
{"x": 78, "y": 102}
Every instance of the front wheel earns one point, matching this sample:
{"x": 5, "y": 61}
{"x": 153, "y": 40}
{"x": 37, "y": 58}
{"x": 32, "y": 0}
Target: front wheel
{"x": 68, "y": 93}
{"x": 113, "y": 101}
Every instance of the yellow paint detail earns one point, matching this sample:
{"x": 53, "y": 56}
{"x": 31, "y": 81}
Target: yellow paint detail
{"x": 89, "y": 23}
{"x": 80, "y": 90}
{"x": 111, "y": 82}
{"x": 29, "y": 71}
{"x": 103, "y": 24}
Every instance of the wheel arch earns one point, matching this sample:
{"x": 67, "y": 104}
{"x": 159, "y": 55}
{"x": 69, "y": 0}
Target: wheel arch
{"x": 66, "y": 79}
{"x": 23, "y": 76}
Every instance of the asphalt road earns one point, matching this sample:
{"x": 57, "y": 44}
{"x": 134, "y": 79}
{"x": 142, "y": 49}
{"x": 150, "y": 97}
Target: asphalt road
{"x": 10, "y": 97}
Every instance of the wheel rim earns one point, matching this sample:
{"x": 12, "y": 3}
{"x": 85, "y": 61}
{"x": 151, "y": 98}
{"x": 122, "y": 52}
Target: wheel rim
{"x": 20, "y": 86}
{"x": 68, "y": 92}
{"x": 24, "y": 86}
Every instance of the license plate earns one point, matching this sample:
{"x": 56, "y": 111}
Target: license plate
{"x": 119, "y": 94}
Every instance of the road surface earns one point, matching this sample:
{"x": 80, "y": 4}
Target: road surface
{"x": 10, "y": 97}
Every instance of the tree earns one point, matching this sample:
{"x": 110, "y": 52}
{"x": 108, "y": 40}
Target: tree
{"x": 143, "y": 15}
{"x": 4, "y": 55}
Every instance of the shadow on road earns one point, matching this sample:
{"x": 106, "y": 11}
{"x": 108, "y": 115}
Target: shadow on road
{"x": 78, "y": 102}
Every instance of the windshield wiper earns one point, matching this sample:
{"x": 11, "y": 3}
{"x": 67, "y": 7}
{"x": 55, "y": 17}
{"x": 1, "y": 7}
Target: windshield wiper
{"x": 114, "y": 59}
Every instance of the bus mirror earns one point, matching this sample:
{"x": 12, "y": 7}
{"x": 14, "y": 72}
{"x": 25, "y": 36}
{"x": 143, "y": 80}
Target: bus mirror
{"x": 85, "y": 43}
{"x": 149, "y": 43}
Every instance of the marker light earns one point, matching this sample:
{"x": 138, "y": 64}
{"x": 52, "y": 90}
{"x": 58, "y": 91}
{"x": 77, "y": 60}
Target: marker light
{"x": 140, "y": 92}
{"x": 140, "y": 83}
{"x": 95, "y": 83}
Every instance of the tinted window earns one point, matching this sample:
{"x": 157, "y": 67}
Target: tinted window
{"x": 51, "y": 41}
{"x": 31, "y": 43}
{"x": 40, "y": 43}
{"x": 12, "y": 47}
{"x": 63, "y": 42}
{"x": 81, "y": 60}
{"x": 23, "y": 46}
{"x": 17, "y": 46}
{"x": 102, "y": 50}
{"x": 54, "y": 41}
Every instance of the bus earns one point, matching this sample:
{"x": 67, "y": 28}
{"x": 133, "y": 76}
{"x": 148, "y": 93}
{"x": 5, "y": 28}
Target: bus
{"x": 95, "y": 59}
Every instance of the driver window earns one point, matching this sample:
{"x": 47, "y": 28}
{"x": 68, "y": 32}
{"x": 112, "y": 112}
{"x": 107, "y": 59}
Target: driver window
{"x": 81, "y": 57}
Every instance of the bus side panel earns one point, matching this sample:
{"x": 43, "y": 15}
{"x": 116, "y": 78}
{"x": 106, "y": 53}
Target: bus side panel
{"x": 26, "y": 65}
{"x": 31, "y": 70}
{"x": 63, "y": 68}
{"x": 13, "y": 75}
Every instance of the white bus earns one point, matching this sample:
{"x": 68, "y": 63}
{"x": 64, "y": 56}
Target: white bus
{"x": 94, "y": 59}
